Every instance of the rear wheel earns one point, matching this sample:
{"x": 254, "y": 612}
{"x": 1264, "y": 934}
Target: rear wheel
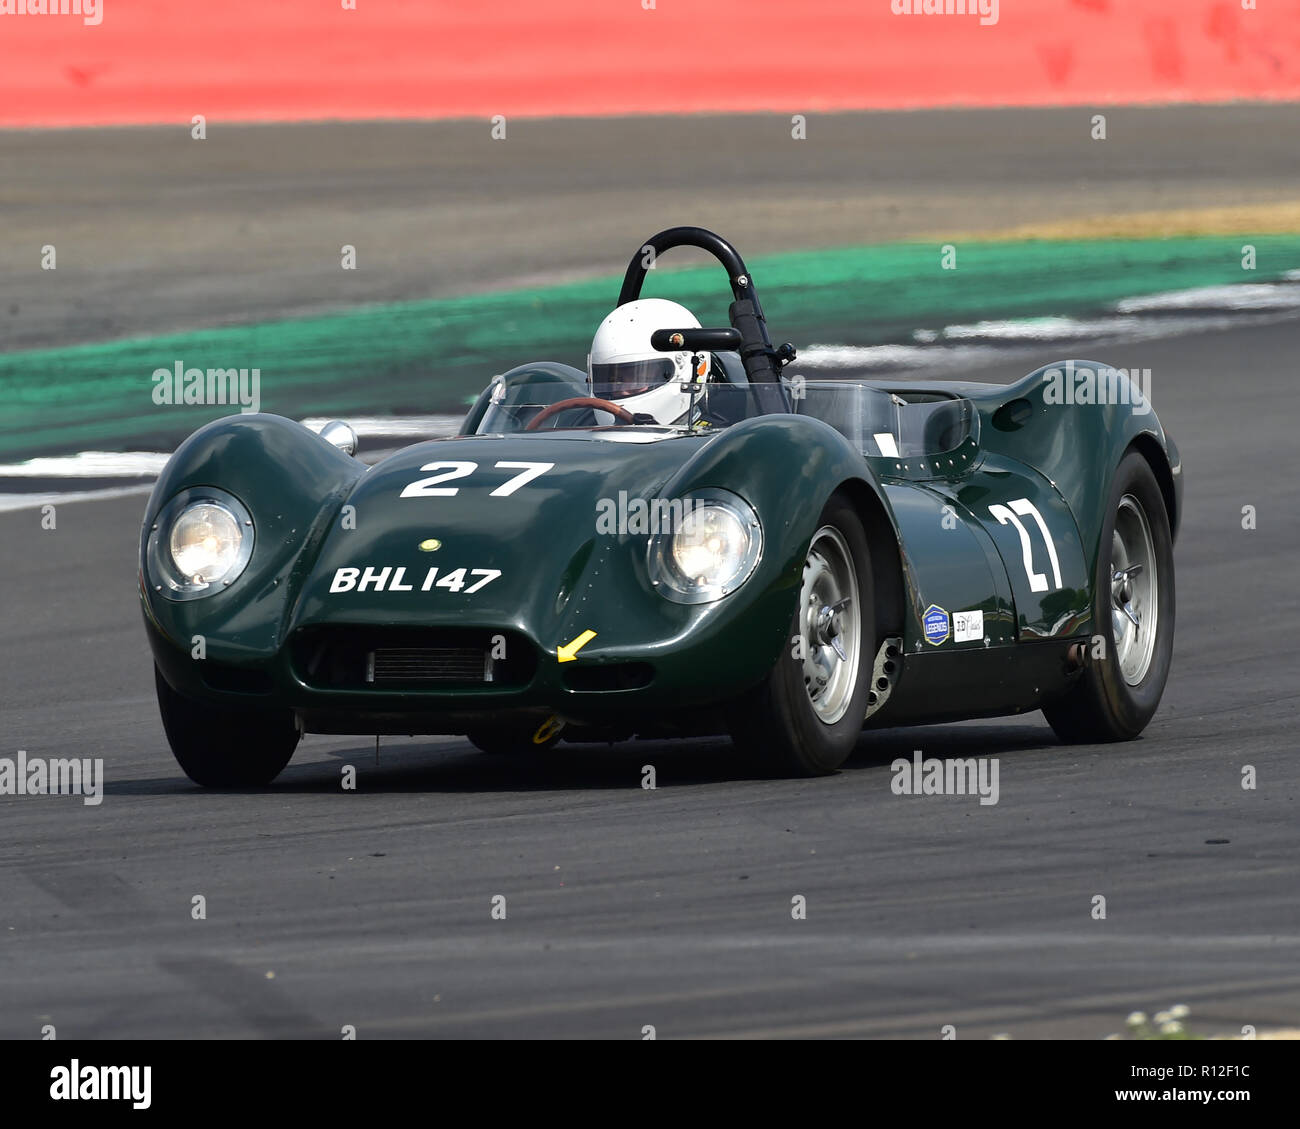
{"x": 806, "y": 716}
{"x": 225, "y": 748}
{"x": 1123, "y": 680}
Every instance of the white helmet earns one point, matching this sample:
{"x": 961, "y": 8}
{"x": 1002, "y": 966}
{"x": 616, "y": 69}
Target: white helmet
{"x": 624, "y": 367}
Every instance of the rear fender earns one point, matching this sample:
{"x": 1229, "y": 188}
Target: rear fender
{"x": 1077, "y": 446}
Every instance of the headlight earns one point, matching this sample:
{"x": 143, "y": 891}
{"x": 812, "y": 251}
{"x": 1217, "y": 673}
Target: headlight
{"x": 711, "y": 551}
{"x": 200, "y": 543}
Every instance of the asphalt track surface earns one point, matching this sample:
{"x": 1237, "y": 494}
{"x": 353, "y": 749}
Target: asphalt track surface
{"x": 155, "y": 231}
{"x": 672, "y": 907}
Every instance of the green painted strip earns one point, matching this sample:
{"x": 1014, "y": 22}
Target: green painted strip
{"x": 436, "y": 355}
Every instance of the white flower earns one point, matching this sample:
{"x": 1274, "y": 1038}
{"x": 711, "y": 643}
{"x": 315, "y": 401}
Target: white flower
{"x": 1180, "y": 1011}
{"x": 1136, "y": 1019}
{"x": 1173, "y": 1027}
{"x": 1163, "y": 1017}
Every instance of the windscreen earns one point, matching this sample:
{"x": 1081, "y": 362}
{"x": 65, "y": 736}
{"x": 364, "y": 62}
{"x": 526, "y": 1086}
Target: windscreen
{"x": 888, "y": 425}
{"x": 542, "y": 406}
{"x": 880, "y": 423}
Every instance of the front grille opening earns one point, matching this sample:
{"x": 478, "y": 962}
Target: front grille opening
{"x": 402, "y": 658}
{"x": 610, "y": 676}
{"x": 429, "y": 664}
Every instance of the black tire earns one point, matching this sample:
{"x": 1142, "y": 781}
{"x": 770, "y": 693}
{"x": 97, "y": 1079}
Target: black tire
{"x": 777, "y": 720}
{"x": 221, "y": 748}
{"x": 510, "y": 740}
{"x": 1102, "y": 705}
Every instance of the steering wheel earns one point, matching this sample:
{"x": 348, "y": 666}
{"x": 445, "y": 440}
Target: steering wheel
{"x": 619, "y": 413}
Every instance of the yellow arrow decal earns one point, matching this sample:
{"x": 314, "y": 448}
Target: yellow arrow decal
{"x": 549, "y": 728}
{"x": 569, "y": 652}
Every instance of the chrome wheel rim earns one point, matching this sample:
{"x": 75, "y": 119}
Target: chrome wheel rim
{"x": 830, "y": 625}
{"x": 1134, "y": 591}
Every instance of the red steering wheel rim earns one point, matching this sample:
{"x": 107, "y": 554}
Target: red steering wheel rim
{"x": 619, "y": 413}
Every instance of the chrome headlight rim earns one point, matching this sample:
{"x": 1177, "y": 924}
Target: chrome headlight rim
{"x": 163, "y": 576}
{"x": 667, "y": 579}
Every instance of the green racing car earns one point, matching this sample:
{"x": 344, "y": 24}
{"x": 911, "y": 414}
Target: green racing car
{"x": 684, "y": 539}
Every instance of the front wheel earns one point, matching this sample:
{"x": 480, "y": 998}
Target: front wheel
{"x": 806, "y": 716}
{"x": 1133, "y": 609}
{"x": 225, "y": 748}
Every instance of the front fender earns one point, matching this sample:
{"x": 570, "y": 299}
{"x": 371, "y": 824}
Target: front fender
{"x": 786, "y": 467}
{"x": 292, "y": 482}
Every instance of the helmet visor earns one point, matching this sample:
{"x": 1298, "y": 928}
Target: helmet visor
{"x": 631, "y": 378}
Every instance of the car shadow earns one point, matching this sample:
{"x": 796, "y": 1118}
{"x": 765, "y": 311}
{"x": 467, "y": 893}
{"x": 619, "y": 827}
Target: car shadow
{"x": 454, "y": 766}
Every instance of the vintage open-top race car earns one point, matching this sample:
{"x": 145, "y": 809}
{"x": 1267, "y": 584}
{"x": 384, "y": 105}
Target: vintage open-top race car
{"x": 786, "y": 560}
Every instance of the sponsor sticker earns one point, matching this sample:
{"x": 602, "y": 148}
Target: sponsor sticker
{"x": 935, "y": 623}
{"x": 967, "y": 626}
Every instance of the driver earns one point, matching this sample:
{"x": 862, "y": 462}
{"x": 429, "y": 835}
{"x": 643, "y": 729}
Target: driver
{"x": 625, "y": 369}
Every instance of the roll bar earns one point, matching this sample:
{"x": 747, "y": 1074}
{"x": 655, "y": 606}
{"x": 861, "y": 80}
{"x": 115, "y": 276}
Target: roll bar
{"x": 748, "y": 334}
